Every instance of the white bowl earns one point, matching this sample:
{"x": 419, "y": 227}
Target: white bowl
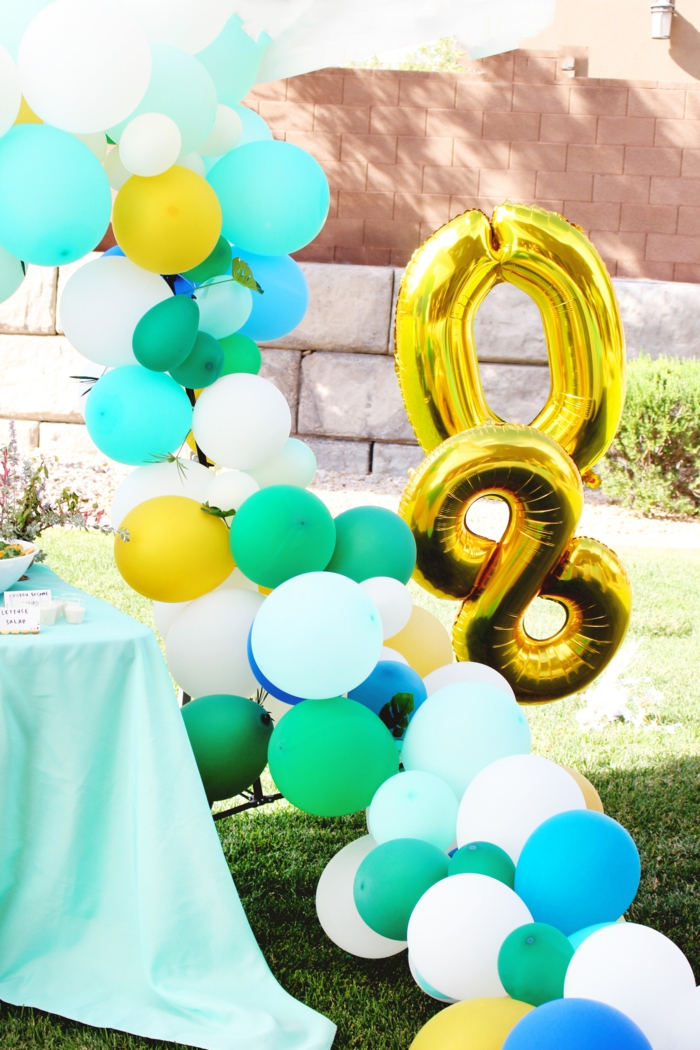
{"x": 12, "y": 568}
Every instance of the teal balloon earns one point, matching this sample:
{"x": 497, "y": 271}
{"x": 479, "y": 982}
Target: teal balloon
{"x": 255, "y": 129}
{"x": 274, "y": 197}
{"x": 215, "y": 264}
{"x": 391, "y": 880}
{"x": 281, "y": 532}
{"x": 577, "y": 939}
{"x": 136, "y": 416}
{"x": 229, "y": 737}
{"x": 241, "y": 354}
{"x": 532, "y": 963}
{"x": 328, "y": 757}
{"x": 233, "y": 60}
{"x": 483, "y": 858}
{"x": 55, "y": 199}
{"x": 373, "y": 542}
{"x": 182, "y": 89}
{"x": 12, "y": 273}
{"x": 202, "y": 366}
{"x": 165, "y": 335}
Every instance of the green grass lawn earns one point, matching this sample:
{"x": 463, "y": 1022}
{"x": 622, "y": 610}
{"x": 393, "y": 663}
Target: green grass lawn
{"x": 648, "y": 779}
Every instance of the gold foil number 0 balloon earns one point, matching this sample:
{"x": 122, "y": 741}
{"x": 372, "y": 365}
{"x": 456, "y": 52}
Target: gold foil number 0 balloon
{"x": 538, "y": 470}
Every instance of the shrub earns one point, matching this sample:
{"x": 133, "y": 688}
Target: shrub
{"x": 653, "y": 465}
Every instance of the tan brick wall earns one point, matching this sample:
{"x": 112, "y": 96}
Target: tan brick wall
{"x": 405, "y": 152}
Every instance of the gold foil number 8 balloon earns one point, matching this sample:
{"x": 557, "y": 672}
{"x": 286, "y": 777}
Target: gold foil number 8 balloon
{"x": 538, "y": 470}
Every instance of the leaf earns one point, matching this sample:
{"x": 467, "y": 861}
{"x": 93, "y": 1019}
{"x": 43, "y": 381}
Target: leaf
{"x": 242, "y": 274}
{"x": 396, "y": 713}
{"x": 216, "y": 512}
{"x": 169, "y": 457}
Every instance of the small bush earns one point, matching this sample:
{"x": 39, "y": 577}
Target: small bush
{"x": 653, "y": 465}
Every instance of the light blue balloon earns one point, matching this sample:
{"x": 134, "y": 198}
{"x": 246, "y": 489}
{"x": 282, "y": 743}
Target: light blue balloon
{"x": 414, "y": 805}
{"x": 285, "y": 300}
{"x": 463, "y": 728}
{"x": 12, "y": 273}
{"x": 233, "y": 60}
{"x": 255, "y": 129}
{"x": 274, "y": 197}
{"x": 55, "y": 199}
{"x": 577, "y": 939}
{"x": 15, "y": 16}
{"x": 181, "y": 88}
{"x": 136, "y": 416}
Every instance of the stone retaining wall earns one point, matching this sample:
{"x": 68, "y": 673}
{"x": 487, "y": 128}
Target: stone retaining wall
{"x": 336, "y": 369}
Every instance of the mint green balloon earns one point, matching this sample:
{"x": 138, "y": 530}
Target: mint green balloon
{"x": 483, "y": 858}
{"x": 215, "y": 265}
{"x": 166, "y": 334}
{"x": 233, "y": 60}
{"x": 328, "y": 757}
{"x": 12, "y": 273}
{"x": 241, "y": 354}
{"x": 391, "y": 880}
{"x": 229, "y": 736}
{"x": 202, "y": 366}
{"x": 373, "y": 542}
{"x": 532, "y": 963}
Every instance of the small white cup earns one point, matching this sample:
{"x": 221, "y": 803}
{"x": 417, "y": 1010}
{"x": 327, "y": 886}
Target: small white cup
{"x": 74, "y": 609}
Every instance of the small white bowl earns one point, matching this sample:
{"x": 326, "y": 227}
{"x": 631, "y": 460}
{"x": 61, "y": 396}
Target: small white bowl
{"x": 12, "y": 568}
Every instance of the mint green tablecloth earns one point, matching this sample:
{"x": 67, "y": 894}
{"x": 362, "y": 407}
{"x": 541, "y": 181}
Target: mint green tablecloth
{"x": 116, "y": 905}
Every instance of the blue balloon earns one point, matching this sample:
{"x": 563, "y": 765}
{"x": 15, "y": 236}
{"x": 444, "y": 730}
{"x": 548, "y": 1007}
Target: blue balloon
{"x": 286, "y": 296}
{"x": 181, "y": 286}
{"x": 136, "y": 416}
{"x": 577, "y": 869}
{"x": 114, "y": 250}
{"x": 233, "y": 60}
{"x": 267, "y": 685}
{"x": 576, "y": 1024}
{"x": 255, "y": 129}
{"x": 274, "y": 197}
{"x": 55, "y": 199}
{"x": 387, "y": 679}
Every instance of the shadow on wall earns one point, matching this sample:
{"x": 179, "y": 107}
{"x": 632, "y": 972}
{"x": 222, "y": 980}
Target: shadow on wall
{"x": 685, "y": 45}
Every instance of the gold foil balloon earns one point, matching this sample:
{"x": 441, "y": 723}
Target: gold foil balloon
{"x": 537, "y": 470}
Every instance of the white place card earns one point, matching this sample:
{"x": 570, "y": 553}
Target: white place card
{"x": 22, "y": 599}
{"x": 20, "y": 621}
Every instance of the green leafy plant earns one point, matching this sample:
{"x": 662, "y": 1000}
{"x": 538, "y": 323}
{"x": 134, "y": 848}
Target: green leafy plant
{"x": 653, "y": 466}
{"x": 396, "y": 713}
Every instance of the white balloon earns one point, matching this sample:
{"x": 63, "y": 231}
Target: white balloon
{"x": 456, "y": 931}
{"x": 224, "y": 306}
{"x": 393, "y": 600}
{"x": 414, "y": 805}
{"x": 150, "y": 144}
{"x": 508, "y": 799}
{"x": 185, "y": 478}
{"x": 195, "y": 163}
{"x": 237, "y": 581}
{"x": 638, "y": 971}
{"x": 336, "y": 909}
{"x": 114, "y": 169}
{"x": 12, "y": 273}
{"x": 230, "y": 489}
{"x": 164, "y": 614}
{"x": 241, "y": 421}
{"x": 10, "y": 92}
{"x": 84, "y": 66}
{"x": 96, "y": 142}
{"x": 387, "y": 653}
{"x": 224, "y": 136}
{"x": 103, "y": 302}
{"x": 191, "y": 26}
{"x": 683, "y": 1023}
{"x": 207, "y": 644}
{"x": 295, "y": 465}
{"x": 425, "y": 987}
{"x": 466, "y": 671}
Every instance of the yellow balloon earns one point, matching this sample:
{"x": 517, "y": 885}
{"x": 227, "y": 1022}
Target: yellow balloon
{"x": 475, "y": 1024}
{"x": 175, "y": 551}
{"x": 26, "y": 114}
{"x": 424, "y": 642}
{"x": 168, "y": 223}
{"x": 590, "y": 795}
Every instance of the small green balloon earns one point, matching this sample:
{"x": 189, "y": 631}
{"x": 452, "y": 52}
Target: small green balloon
{"x": 532, "y": 963}
{"x": 229, "y": 736}
{"x": 392, "y": 879}
{"x": 215, "y": 264}
{"x": 165, "y": 335}
{"x": 280, "y": 532}
{"x": 241, "y": 354}
{"x": 202, "y": 366}
{"x": 372, "y": 542}
{"x": 483, "y": 858}
{"x": 328, "y": 757}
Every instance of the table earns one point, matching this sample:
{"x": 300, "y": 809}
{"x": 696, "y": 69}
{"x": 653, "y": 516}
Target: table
{"x": 117, "y": 907}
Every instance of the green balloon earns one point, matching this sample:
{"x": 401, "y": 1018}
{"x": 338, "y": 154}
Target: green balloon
{"x": 280, "y": 532}
{"x": 229, "y": 736}
{"x": 371, "y": 542}
{"x": 165, "y": 335}
{"x": 202, "y": 366}
{"x": 532, "y": 963}
{"x": 483, "y": 858}
{"x": 215, "y": 264}
{"x": 328, "y": 757}
{"x": 241, "y": 354}
{"x": 392, "y": 879}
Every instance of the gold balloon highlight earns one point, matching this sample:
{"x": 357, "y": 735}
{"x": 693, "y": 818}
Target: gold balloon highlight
{"x": 475, "y": 1024}
{"x": 167, "y": 223}
{"x": 175, "y": 551}
{"x": 590, "y": 795}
